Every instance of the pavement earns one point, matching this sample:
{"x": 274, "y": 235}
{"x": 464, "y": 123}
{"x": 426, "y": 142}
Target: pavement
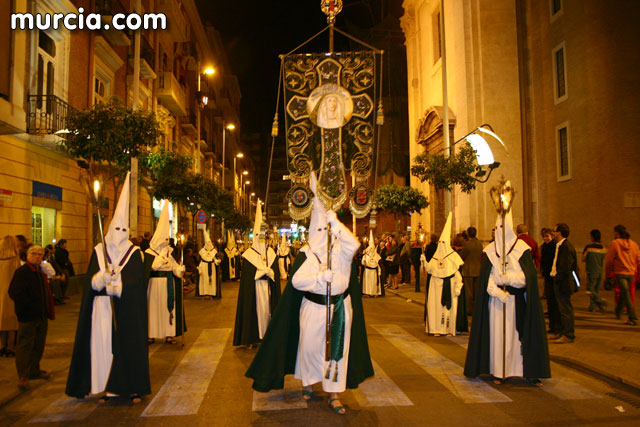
{"x": 604, "y": 346}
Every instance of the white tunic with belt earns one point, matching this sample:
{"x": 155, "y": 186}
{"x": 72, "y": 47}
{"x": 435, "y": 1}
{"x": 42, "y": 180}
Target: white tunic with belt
{"x": 162, "y": 323}
{"x": 311, "y": 366}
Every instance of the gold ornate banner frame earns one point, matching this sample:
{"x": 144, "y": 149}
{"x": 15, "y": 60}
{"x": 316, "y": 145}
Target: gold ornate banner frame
{"x": 330, "y": 127}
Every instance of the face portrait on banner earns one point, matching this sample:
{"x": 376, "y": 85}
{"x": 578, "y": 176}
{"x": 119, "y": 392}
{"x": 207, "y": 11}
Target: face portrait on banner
{"x": 330, "y": 106}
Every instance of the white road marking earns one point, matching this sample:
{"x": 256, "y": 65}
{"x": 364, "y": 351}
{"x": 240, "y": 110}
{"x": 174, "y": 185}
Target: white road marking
{"x": 290, "y": 397}
{"x": 562, "y": 387}
{"x": 380, "y": 391}
{"x": 445, "y": 371}
{"x": 184, "y": 390}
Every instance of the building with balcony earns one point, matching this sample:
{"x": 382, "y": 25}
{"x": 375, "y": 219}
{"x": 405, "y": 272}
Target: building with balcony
{"x": 50, "y": 72}
{"x": 556, "y": 80}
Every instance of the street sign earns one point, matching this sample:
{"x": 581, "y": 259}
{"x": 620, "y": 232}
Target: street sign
{"x": 201, "y": 216}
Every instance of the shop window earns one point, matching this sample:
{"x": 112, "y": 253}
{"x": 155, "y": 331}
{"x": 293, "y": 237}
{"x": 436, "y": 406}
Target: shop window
{"x": 43, "y": 225}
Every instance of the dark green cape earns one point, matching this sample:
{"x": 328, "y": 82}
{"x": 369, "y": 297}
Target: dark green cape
{"x": 277, "y": 354}
{"x": 246, "y": 327}
{"x": 535, "y": 352}
{"x": 180, "y": 319}
{"x": 130, "y": 368}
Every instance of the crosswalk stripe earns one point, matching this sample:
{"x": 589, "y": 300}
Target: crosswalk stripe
{"x": 290, "y": 397}
{"x": 562, "y": 388}
{"x": 65, "y": 409}
{"x": 445, "y": 371}
{"x": 184, "y": 390}
{"x": 380, "y": 391}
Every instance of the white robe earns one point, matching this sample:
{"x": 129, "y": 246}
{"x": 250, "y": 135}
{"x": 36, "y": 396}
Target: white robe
{"x": 231, "y": 260}
{"x": 515, "y": 278}
{"x": 263, "y": 297}
{"x": 441, "y": 320}
{"x": 207, "y": 285}
{"x": 311, "y": 366}
{"x": 101, "y": 325}
{"x": 371, "y": 276}
{"x": 284, "y": 263}
{"x": 160, "y": 323}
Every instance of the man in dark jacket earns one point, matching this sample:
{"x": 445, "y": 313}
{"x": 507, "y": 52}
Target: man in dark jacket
{"x": 471, "y": 254}
{"x": 564, "y": 266}
{"x": 29, "y": 289}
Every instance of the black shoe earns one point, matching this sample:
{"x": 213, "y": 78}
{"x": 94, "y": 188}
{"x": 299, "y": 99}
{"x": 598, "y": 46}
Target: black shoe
{"x": 632, "y": 322}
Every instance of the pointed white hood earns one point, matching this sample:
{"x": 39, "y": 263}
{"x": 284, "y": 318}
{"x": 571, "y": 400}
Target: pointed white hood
{"x": 208, "y": 244}
{"x": 283, "y": 248}
{"x": 117, "y": 237}
{"x": 318, "y": 223}
{"x": 231, "y": 241}
{"x": 445, "y": 261}
{"x": 513, "y": 247}
{"x": 160, "y": 239}
{"x": 371, "y": 256}
{"x": 259, "y": 233}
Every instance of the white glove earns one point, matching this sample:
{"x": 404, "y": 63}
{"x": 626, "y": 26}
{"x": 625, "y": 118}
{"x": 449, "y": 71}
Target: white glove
{"x": 179, "y": 271}
{"x": 332, "y": 219}
{"x": 271, "y": 274}
{"x": 503, "y": 296}
{"x": 114, "y": 285}
{"x": 325, "y": 276}
{"x": 98, "y": 281}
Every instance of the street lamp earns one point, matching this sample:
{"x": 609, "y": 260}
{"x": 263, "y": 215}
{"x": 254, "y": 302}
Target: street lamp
{"x": 202, "y": 101}
{"x": 244, "y": 189}
{"x": 235, "y": 177}
{"x": 229, "y": 126}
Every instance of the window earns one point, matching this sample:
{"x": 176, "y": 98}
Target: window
{"x": 46, "y": 67}
{"x": 559, "y": 73}
{"x": 556, "y": 8}
{"x": 563, "y": 151}
{"x": 435, "y": 20}
{"x": 99, "y": 90}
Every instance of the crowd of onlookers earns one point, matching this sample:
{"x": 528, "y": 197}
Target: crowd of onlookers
{"x": 617, "y": 267}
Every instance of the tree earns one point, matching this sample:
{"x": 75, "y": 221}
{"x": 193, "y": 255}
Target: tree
{"x": 399, "y": 201}
{"x": 107, "y": 136}
{"x": 443, "y": 172}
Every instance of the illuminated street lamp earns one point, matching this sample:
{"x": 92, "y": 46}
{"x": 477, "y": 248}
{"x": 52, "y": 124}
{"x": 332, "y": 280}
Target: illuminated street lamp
{"x": 230, "y": 127}
{"x": 420, "y": 234}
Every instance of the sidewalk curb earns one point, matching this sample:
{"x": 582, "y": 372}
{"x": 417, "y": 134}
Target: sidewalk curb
{"x": 618, "y": 381}
{"x": 597, "y": 373}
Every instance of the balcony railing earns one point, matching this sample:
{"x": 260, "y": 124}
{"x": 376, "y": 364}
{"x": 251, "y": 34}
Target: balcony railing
{"x": 46, "y": 114}
{"x": 110, "y": 7}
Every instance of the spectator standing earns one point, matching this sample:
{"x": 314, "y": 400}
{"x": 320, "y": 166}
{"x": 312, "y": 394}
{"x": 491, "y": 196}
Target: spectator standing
{"x": 30, "y": 292}
{"x": 565, "y": 264}
{"x": 382, "y": 251}
{"x": 416, "y": 253}
{"x": 523, "y": 234}
{"x": 405, "y": 261}
{"x": 593, "y": 257}
{"x": 471, "y": 254}
{"x": 22, "y": 247}
{"x": 393, "y": 261}
{"x": 146, "y": 239}
{"x": 9, "y": 263}
{"x": 548, "y": 252}
{"x": 623, "y": 260}
{"x": 53, "y": 274}
{"x": 62, "y": 258}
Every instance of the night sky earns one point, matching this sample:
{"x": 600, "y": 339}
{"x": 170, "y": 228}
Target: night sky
{"x": 256, "y": 32}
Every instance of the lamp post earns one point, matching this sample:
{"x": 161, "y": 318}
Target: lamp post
{"x": 235, "y": 179}
{"x": 244, "y": 189}
{"x": 202, "y": 101}
{"x": 244, "y": 173}
{"x": 229, "y": 126}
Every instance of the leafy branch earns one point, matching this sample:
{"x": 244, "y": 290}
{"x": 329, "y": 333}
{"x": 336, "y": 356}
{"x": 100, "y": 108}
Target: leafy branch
{"x": 444, "y": 172}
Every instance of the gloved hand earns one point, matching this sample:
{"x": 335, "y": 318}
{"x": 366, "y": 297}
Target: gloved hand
{"x": 325, "y": 276}
{"x": 180, "y": 271}
{"x": 503, "y": 296}
{"x": 271, "y": 274}
{"x": 98, "y": 281}
{"x": 332, "y": 219}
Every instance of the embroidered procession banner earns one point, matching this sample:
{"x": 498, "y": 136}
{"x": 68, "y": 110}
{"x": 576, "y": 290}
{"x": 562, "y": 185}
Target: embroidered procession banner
{"x": 329, "y": 104}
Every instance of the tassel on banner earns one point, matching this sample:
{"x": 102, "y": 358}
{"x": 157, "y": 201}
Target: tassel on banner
{"x": 380, "y": 114}
{"x": 274, "y": 126}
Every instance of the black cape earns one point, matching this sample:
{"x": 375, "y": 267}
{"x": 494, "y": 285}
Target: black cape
{"x": 535, "y": 351}
{"x": 180, "y": 319}
{"x": 277, "y": 354}
{"x": 246, "y": 327}
{"x": 130, "y": 367}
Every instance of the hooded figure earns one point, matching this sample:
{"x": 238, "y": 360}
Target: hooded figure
{"x": 208, "y": 284}
{"x": 164, "y": 291}
{"x": 259, "y": 288}
{"x": 295, "y": 340}
{"x": 230, "y": 260}
{"x": 110, "y": 350}
{"x": 284, "y": 257}
{"x": 444, "y": 286}
{"x": 515, "y": 291}
{"x": 371, "y": 273}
